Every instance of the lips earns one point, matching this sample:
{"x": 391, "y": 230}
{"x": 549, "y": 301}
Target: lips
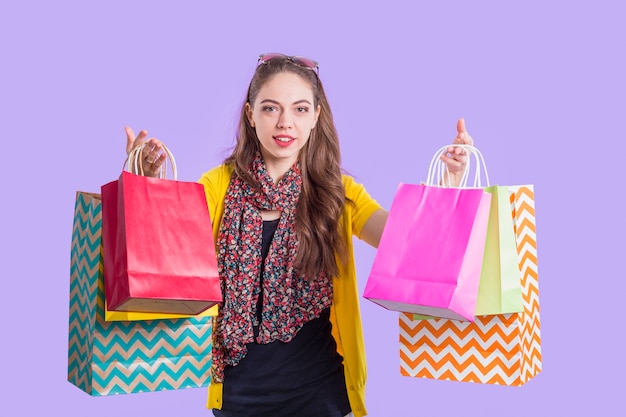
{"x": 284, "y": 140}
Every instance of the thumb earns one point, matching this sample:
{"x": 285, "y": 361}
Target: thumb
{"x": 460, "y": 125}
{"x": 130, "y": 138}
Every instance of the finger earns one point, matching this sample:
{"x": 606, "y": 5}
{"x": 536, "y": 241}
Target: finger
{"x": 153, "y": 151}
{"x": 133, "y": 141}
{"x": 141, "y": 137}
{"x": 463, "y": 136}
{"x": 461, "y": 139}
{"x": 464, "y": 139}
{"x": 130, "y": 138}
{"x": 159, "y": 161}
{"x": 152, "y": 167}
{"x": 460, "y": 126}
{"x": 452, "y": 163}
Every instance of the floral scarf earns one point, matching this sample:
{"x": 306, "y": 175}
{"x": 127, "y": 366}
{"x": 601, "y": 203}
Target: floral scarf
{"x": 289, "y": 300}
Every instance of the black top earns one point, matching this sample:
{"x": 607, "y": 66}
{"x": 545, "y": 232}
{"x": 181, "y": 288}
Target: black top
{"x": 303, "y": 378}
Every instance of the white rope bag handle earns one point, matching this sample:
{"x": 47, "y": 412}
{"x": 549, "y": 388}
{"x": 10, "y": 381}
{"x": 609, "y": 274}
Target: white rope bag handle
{"x": 134, "y": 160}
{"x": 437, "y": 169}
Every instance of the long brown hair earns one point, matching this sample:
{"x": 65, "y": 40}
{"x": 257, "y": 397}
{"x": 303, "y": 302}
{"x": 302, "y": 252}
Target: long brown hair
{"x": 322, "y": 198}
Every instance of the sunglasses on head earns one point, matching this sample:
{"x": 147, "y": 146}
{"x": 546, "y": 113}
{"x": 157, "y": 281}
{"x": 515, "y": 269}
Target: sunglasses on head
{"x": 299, "y": 60}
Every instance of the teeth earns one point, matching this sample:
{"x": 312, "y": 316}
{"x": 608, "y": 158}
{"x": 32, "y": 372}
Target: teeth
{"x": 283, "y": 139}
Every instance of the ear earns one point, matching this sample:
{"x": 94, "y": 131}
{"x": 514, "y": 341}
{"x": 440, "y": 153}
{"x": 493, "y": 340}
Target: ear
{"x": 318, "y": 110}
{"x": 249, "y": 114}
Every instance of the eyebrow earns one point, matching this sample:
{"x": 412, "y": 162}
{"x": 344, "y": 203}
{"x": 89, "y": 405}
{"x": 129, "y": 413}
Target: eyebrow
{"x": 269, "y": 100}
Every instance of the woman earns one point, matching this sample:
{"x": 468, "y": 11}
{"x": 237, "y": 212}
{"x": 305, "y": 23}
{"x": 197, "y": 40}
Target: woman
{"x": 288, "y": 338}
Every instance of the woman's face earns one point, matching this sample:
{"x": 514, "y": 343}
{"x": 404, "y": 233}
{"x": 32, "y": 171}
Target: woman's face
{"x": 283, "y": 115}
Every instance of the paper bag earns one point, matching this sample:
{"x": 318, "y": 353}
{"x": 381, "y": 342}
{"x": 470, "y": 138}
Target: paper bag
{"x": 107, "y": 358}
{"x": 500, "y": 289}
{"x": 430, "y": 255}
{"x": 159, "y": 252}
{"x": 498, "y": 349}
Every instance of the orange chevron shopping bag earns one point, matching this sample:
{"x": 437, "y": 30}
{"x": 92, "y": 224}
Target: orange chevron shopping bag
{"x": 499, "y": 349}
{"x": 106, "y": 358}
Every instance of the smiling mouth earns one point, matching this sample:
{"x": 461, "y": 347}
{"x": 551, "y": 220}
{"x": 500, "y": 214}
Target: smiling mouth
{"x": 284, "y": 139}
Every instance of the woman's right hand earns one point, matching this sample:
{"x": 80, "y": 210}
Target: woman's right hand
{"x": 152, "y": 157}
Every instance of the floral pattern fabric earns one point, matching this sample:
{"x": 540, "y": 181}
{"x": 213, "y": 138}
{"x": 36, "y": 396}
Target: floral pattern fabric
{"x": 289, "y": 300}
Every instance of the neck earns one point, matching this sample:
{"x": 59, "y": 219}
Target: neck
{"x": 277, "y": 173}
{"x": 277, "y": 168}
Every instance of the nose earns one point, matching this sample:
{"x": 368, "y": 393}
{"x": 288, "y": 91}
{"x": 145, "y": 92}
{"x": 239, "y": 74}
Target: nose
{"x": 285, "y": 121}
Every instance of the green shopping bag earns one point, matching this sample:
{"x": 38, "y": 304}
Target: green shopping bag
{"x": 500, "y": 288}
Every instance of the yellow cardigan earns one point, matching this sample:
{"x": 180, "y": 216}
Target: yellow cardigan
{"x": 345, "y": 312}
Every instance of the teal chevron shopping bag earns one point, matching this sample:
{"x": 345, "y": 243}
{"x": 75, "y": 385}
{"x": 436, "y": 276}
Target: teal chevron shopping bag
{"x": 118, "y": 357}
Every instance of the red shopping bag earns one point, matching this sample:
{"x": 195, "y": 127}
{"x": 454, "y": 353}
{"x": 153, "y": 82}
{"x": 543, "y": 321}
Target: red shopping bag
{"x": 158, "y": 247}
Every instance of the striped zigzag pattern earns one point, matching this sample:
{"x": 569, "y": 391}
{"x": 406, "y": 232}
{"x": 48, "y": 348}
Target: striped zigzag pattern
{"x": 107, "y": 358}
{"x": 501, "y": 349}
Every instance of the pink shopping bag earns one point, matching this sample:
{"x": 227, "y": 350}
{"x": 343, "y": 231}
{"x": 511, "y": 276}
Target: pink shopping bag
{"x": 430, "y": 255}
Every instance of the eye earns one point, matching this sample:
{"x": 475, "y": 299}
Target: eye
{"x": 302, "y": 109}
{"x": 269, "y": 108}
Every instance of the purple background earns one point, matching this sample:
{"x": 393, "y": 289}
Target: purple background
{"x": 541, "y": 85}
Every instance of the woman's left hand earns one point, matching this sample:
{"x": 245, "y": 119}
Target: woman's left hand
{"x": 456, "y": 157}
